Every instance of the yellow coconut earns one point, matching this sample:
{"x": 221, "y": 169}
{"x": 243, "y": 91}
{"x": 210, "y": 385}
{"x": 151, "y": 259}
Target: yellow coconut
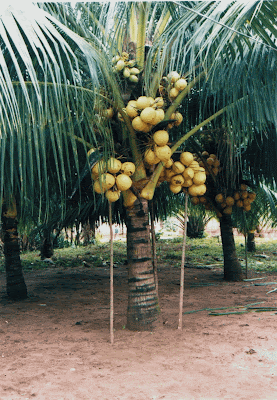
{"x": 159, "y": 102}
{"x": 236, "y": 196}
{"x": 216, "y": 163}
{"x": 126, "y": 72}
{"x": 244, "y": 194}
{"x": 181, "y": 84}
{"x": 247, "y": 208}
{"x": 173, "y": 93}
{"x": 134, "y": 71}
{"x": 179, "y": 118}
{"x": 210, "y": 161}
{"x": 199, "y": 178}
{"x": 187, "y": 183}
{"x": 148, "y": 115}
{"x": 178, "y": 167}
{"x": 186, "y": 158}
{"x": 131, "y": 63}
{"x": 97, "y": 187}
{"x": 201, "y": 189}
{"x": 188, "y": 173}
{"x": 193, "y": 190}
{"x": 175, "y": 188}
{"x": 194, "y": 200}
{"x": 228, "y": 210}
{"x": 219, "y": 198}
{"x": 159, "y": 116}
{"x": 243, "y": 187}
{"x": 112, "y": 195}
{"x": 99, "y": 167}
{"x": 195, "y": 166}
{"x": 143, "y": 102}
{"x": 163, "y": 152}
{"x": 177, "y": 180}
{"x": 150, "y": 157}
{"x": 203, "y": 200}
{"x": 113, "y": 165}
{"x": 205, "y": 154}
{"x": 230, "y": 201}
{"x": 139, "y": 125}
{"x": 123, "y": 182}
{"x": 131, "y": 111}
{"x": 106, "y": 181}
{"x": 161, "y": 137}
{"x": 173, "y": 76}
{"x": 169, "y": 173}
{"x": 169, "y": 163}
{"x": 239, "y": 203}
{"x": 128, "y": 168}
{"x": 120, "y": 65}
{"x": 133, "y": 78}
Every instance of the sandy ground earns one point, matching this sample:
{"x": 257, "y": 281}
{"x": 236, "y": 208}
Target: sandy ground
{"x": 55, "y": 345}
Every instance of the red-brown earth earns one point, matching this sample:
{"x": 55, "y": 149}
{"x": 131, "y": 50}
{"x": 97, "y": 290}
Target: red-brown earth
{"x": 55, "y": 345}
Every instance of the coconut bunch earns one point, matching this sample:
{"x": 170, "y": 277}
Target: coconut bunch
{"x": 112, "y": 177}
{"x": 241, "y": 198}
{"x": 211, "y": 163}
{"x": 172, "y": 84}
{"x": 145, "y": 112}
{"x": 126, "y": 67}
{"x": 158, "y": 149}
{"x": 185, "y": 174}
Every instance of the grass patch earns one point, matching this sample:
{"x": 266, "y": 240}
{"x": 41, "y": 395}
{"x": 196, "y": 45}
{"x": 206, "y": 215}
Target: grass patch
{"x": 205, "y": 251}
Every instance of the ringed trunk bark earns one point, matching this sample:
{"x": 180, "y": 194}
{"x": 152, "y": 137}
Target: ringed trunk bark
{"x": 15, "y": 284}
{"x": 143, "y": 308}
{"x": 232, "y": 267}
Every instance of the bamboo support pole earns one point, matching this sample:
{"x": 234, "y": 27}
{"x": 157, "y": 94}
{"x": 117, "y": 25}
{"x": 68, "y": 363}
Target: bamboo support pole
{"x": 180, "y": 324}
{"x": 111, "y": 276}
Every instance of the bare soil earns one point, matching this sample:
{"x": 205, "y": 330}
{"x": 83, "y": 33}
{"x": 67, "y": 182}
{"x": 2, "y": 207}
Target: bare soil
{"x": 55, "y": 345}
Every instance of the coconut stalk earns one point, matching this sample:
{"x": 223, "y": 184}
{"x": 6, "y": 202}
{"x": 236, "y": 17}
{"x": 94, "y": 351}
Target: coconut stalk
{"x": 154, "y": 248}
{"x": 180, "y": 324}
{"x": 111, "y": 275}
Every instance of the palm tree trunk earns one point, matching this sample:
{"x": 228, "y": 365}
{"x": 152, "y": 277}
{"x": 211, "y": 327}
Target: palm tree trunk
{"x": 15, "y": 284}
{"x": 232, "y": 267}
{"x": 46, "y": 250}
{"x": 143, "y": 310}
{"x": 251, "y": 246}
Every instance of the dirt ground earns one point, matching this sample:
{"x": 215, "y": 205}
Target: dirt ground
{"x": 55, "y": 345}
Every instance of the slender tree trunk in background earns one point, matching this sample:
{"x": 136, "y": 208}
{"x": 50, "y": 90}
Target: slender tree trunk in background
{"x": 143, "y": 309}
{"x": 251, "y": 246}
{"x": 232, "y": 267}
{"x": 15, "y": 284}
{"x": 46, "y": 250}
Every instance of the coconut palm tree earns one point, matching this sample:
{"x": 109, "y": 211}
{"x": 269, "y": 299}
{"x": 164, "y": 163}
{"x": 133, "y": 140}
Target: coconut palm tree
{"x": 58, "y": 80}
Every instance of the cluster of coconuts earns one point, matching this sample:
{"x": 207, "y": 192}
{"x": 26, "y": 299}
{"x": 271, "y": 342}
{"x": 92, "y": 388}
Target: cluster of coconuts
{"x": 145, "y": 112}
{"x": 185, "y": 174}
{"x": 173, "y": 84}
{"x": 112, "y": 177}
{"x": 159, "y": 149}
{"x": 241, "y": 198}
{"x": 212, "y": 163}
{"x": 125, "y": 66}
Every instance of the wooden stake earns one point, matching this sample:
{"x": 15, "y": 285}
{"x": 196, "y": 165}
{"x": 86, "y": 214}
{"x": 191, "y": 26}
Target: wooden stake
{"x": 111, "y": 274}
{"x": 180, "y": 324}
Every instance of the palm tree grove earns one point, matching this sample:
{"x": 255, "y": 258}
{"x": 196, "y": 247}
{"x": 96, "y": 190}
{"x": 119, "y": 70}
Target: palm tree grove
{"x": 130, "y": 115}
